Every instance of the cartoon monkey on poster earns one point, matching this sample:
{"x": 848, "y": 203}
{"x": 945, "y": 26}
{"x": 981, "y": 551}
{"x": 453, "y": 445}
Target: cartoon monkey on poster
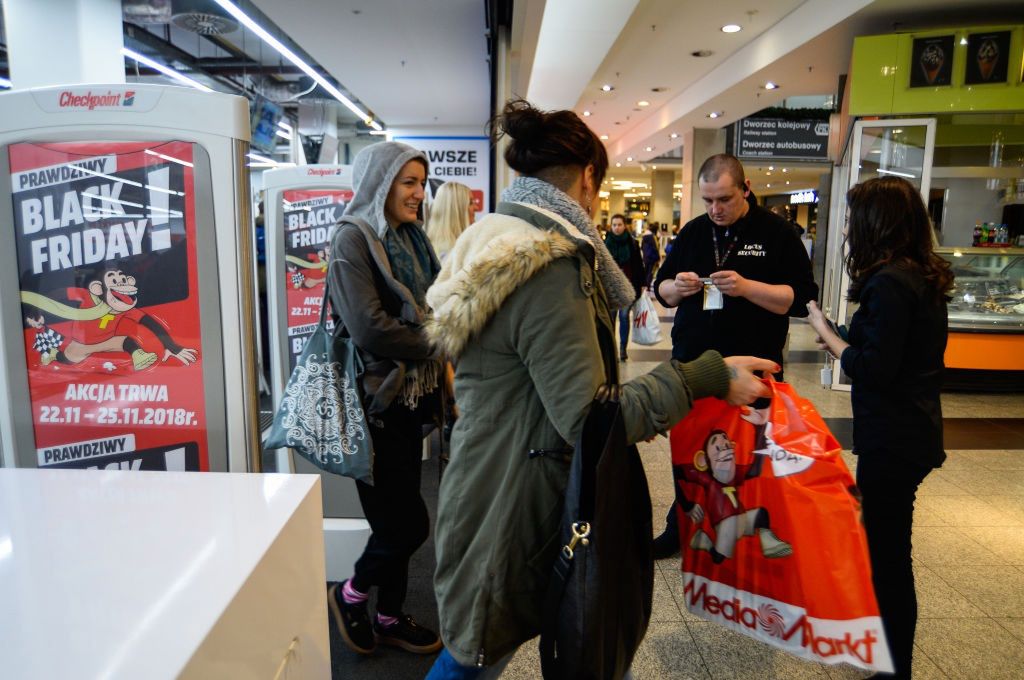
{"x": 104, "y": 320}
{"x": 715, "y": 469}
{"x": 315, "y": 266}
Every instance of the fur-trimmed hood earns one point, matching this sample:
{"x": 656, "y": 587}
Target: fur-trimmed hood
{"x": 490, "y": 261}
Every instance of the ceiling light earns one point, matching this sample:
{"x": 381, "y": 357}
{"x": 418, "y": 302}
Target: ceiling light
{"x": 769, "y": 185}
{"x": 293, "y": 58}
{"x": 648, "y": 148}
{"x": 284, "y": 126}
{"x": 604, "y": 136}
{"x": 714, "y": 114}
{"x": 4, "y": 82}
{"x": 771, "y": 167}
{"x": 732, "y": 28}
{"x": 674, "y": 135}
{"x": 643, "y": 102}
{"x": 770, "y": 86}
{"x": 166, "y": 70}
{"x": 629, "y": 159}
{"x": 607, "y": 88}
{"x": 787, "y": 182}
{"x": 618, "y": 165}
{"x": 963, "y": 40}
{"x": 785, "y": 170}
{"x": 284, "y": 135}
{"x": 654, "y": 167}
{"x": 586, "y": 113}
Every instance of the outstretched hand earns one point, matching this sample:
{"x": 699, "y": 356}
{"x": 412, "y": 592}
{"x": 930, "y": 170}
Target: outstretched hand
{"x": 744, "y": 386}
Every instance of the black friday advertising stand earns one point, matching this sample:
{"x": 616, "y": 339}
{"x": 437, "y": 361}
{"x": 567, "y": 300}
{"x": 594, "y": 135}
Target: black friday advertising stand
{"x": 126, "y": 318}
{"x": 302, "y": 207}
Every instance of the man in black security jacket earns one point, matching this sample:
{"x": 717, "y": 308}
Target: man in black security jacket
{"x": 759, "y": 274}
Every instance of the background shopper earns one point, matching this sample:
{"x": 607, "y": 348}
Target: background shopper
{"x": 519, "y": 305}
{"x": 379, "y": 274}
{"x": 894, "y": 357}
{"x": 626, "y": 253}
{"x": 451, "y": 212}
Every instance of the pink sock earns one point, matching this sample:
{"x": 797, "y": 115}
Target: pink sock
{"x": 351, "y": 595}
{"x": 386, "y": 621}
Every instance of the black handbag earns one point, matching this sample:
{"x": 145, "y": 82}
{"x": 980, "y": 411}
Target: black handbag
{"x": 598, "y": 603}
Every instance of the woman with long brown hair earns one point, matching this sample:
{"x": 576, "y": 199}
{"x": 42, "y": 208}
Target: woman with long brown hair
{"x": 894, "y": 356}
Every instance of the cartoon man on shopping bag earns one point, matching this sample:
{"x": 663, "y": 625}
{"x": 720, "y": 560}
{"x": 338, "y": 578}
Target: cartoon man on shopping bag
{"x": 714, "y": 468}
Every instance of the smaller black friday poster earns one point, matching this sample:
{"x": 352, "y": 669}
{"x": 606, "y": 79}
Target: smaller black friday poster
{"x": 105, "y": 240}
{"x": 931, "y": 61}
{"x": 988, "y": 58}
{"x": 309, "y": 218}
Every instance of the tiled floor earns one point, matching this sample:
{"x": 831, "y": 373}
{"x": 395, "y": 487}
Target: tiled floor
{"x": 968, "y": 552}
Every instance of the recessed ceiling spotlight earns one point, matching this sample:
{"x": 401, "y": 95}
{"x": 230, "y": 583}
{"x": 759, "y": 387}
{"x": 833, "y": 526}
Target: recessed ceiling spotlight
{"x": 654, "y": 167}
{"x": 732, "y": 28}
{"x": 701, "y": 53}
{"x": 769, "y": 185}
{"x": 629, "y": 159}
{"x": 607, "y": 88}
{"x": 785, "y": 170}
{"x": 963, "y": 40}
{"x": 768, "y": 173}
{"x": 674, "y": 135}
{"x": 618, "y": 165}
{"x": 714, "y": 114}
{"x": 604, "y": 136}
{"x": 648, "y": 148}
{"x": 787, "y": 182}
{"x": 770, "y": 86}
{"x": 586, "y": 113}
{"x": 771, "y": 167}
{"x": 643, "y": 102}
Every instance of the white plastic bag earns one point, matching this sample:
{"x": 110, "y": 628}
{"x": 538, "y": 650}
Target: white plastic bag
{"x": 646, "y": 326}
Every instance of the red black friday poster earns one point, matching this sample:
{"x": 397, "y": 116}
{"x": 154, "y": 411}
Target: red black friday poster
{"x": 309, "y": 219}
{"x": 106, "y": 242}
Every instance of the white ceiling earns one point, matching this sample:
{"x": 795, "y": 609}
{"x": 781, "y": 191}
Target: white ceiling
{"x": 414, "y": 63}
{"x": 423, "y": 63}
{"x": 802, "y": 44}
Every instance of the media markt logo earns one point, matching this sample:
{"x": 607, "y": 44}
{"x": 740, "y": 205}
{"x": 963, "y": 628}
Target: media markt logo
{"x": 129, "y": 98}
{"x": 771, "y": 620}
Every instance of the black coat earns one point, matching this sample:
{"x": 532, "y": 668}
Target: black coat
{"x": 895, "y": 359}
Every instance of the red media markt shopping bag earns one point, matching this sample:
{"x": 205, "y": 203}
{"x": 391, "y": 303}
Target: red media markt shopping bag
{"x": 773, "y": 546}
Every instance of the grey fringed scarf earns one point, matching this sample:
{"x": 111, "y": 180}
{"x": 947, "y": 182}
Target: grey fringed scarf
{"x": 540, "y": 193}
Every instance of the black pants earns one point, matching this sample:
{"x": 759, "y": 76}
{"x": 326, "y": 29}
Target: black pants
{"x": 394, "y": 509}
{"x": 889, "y": 487}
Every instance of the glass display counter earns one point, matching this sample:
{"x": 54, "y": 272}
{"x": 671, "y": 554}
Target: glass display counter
{"x": 988, "y": 293}
{"x": 985, "y": 349}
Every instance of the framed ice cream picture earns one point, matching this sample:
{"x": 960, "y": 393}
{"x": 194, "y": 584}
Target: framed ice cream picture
{"x": 988, "y": 58}
{"x": 931, "y": 63}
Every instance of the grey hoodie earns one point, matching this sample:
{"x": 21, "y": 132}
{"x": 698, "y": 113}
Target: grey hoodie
{"x": 373, "y": 172}
{"x": 374, "y": 309}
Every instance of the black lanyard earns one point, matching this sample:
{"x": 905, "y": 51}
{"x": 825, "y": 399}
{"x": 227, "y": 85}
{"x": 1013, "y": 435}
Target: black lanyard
{"x": 729, "y": 247}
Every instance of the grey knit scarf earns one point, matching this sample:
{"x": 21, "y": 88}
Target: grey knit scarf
{"x": 537, "y": 192}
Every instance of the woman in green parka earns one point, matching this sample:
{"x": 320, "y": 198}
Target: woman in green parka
{"x": 517, "y": 307}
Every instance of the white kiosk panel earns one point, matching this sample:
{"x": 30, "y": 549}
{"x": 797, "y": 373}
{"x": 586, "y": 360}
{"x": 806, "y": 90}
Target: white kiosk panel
{"x": 125, "y": 314}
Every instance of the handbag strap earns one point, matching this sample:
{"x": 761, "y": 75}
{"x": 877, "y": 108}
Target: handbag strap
{"x": 325, "y": 301}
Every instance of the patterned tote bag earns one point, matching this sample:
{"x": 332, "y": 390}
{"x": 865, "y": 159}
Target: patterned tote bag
{"x": 320, "y": 416}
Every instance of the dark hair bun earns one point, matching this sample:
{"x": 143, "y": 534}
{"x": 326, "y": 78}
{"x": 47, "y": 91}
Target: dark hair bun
{"x": 522, "y": 122}
{"x": 547, "y": 139}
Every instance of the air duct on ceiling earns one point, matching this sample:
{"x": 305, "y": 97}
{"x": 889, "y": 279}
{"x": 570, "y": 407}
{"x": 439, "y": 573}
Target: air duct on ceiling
{"x": 204, "y": 17}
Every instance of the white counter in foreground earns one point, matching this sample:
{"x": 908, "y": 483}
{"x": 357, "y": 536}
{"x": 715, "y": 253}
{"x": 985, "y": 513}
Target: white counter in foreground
{"x": 161, "y": 575}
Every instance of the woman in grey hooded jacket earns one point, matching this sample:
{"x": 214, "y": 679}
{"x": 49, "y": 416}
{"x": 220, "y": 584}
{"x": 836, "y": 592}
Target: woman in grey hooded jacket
{"x": 380, "y": 268}
{"x": 517, "y": 306}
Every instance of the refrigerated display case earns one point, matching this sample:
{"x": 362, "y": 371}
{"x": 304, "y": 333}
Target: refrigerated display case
{"x": 986, "y": 318}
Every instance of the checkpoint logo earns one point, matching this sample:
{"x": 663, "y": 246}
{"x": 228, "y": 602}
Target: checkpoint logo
{"x": 129, "y": 98}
